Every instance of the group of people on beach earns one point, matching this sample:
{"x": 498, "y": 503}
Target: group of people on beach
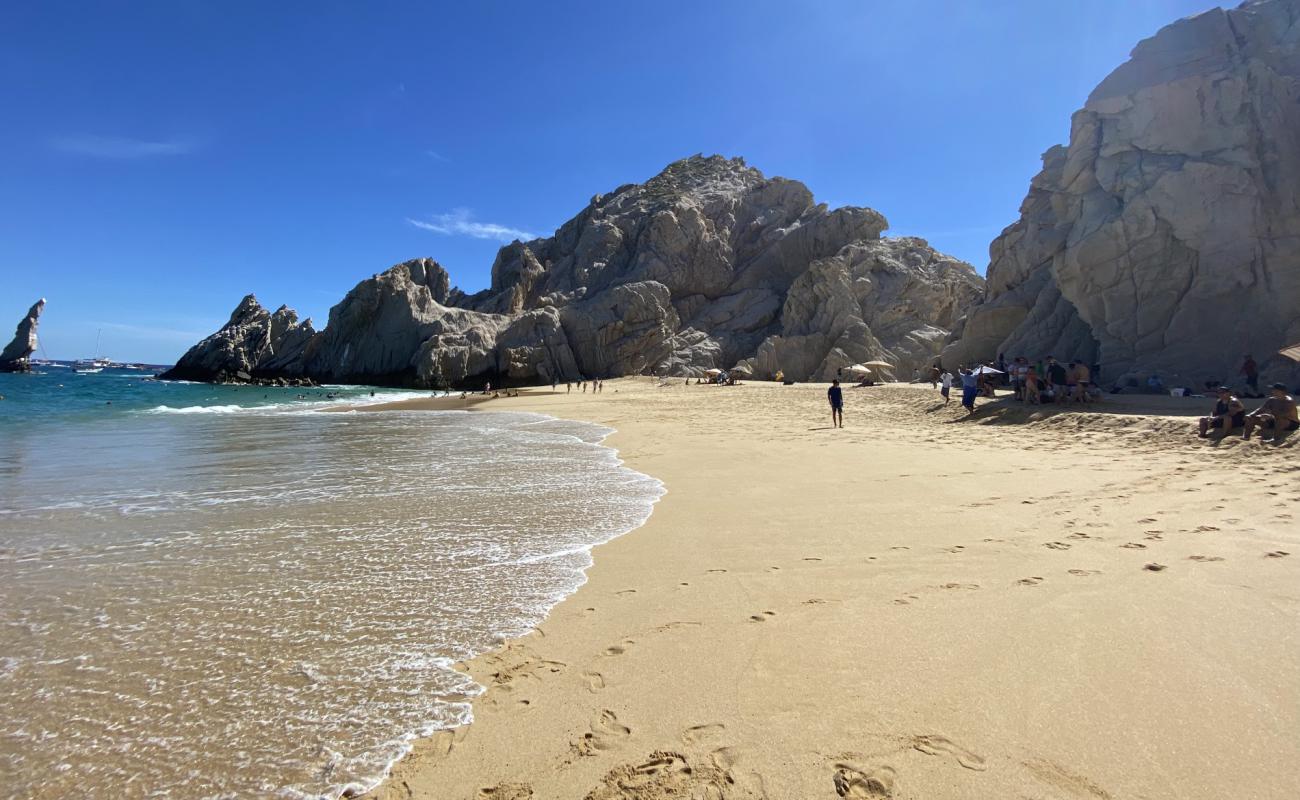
{"x": 597, "y": 385}
{"x": 1276, "y": 416}
{"x": 1048, "y": 381}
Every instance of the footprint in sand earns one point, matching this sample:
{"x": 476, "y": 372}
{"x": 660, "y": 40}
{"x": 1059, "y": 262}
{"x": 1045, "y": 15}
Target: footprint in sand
{"x": 903, "y": 601}
{"x": 707, "y": 732}
{"x": 1205, "y": 558}
{"x": 1277, "y": 554}
{"x": 1154, "y": 567}
{"x": 626, "y": 591}
{"x": 672, "y": 626}
{"x": 1034, "y": 581}
{"x": 506, "y": 791}
{"x": 850, "y": 781}
{"x": 1085, "y": 572}
{"x": 1073, "y": 784}
{"x": 762, "y": 617}
{"x": 933, "y": 745}
{"x": 665, "y": 774}
{"x": 714, "y": 571}
{"x": 606, "y": 733}
{"x": 811, "y": 558}
{"x": 1056, "y": 545}
{"x": 595, "y": 681}
{"x": 1148, "y": 520}
{"x": 1134, "y": 546}
{"x": 619, "y": 649}
{"x": 1205, "y": 528}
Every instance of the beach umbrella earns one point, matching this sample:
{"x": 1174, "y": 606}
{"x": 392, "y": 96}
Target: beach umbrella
{"x": 742, "y": 369}
{"x": 985, "y": 370}
{"x": 858, "y": 369}
{"x": 713, "y": 371}
{"x": 1292, "y": 352}
{"x": 885, "y": 364}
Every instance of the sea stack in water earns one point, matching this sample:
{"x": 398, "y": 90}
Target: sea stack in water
{"x": 707, "y": 265}
{"x": 1166, "y": 236}
{"x": 17, "y": 355}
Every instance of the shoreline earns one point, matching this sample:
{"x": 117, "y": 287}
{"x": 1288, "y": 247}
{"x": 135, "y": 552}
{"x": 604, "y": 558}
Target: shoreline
{"x": 781, "y": 627}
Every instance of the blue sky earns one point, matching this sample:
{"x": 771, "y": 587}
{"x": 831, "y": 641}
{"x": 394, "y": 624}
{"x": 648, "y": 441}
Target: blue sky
{"x": 162, "y": 159}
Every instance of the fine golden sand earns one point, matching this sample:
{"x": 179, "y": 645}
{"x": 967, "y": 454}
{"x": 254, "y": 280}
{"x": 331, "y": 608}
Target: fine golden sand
{"x": 1025, "y": 604}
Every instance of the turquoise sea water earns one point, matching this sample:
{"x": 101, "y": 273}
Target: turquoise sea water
{"x": 218, "y": 592}
{"x": 61, "y": 395}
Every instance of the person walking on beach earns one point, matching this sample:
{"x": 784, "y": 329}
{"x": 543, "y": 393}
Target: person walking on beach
{"x": 935, "y": 374}
{"x": 970, "y": 387}
{"x": 568, "y": 387}
{"x": 945, "y": 381}
{"x": 836, "y": 397}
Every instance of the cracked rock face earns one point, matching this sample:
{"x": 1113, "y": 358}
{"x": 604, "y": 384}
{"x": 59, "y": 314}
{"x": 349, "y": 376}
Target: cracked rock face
{"x": 1166, "y": 237}
{"x": 16, "y": 357}
{"x": 253, "y": 343}
{"x": 708, "y": 264}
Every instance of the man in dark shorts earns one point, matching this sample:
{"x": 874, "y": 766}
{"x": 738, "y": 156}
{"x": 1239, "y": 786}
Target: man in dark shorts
{"x": 1056, "y": 377}
{"x": 1277, "y": 414}
{"x": 836, "y": 397}
{"x": 1228, "y": 413}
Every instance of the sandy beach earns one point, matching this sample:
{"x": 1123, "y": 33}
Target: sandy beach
{"x": 1025, "y": 604}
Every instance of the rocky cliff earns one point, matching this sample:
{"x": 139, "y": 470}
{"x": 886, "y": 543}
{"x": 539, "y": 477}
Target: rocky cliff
{"x": 708, "y": 264}
{"x": 16, "y": 357}
{"x": 1166, "y": 236}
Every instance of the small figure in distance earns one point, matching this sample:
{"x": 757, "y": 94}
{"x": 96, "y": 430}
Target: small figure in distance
{"x": 836, "y": 397}
{"x": 1277, "y": 414}
{"x": 935, "y": 375}
{"x": 1250, "y": 370}
{"x": 1228, "y": 413}
{"x": 945, "y": 381}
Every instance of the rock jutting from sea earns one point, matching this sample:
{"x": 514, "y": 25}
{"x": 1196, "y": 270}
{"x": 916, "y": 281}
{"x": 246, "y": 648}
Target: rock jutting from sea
{"x": 707, "y": 265}
{"x": 17, "y": 355}
{"x": 1165, "y": 238}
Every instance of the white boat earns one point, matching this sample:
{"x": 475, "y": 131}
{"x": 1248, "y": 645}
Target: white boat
{"x": 95, "y": 364}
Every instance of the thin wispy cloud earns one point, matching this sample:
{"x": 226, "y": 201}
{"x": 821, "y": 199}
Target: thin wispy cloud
{"x": 119, "y": 147}
{"x": 158, "y": 333}
{"x": 461, "y": 222}
{"x": 436, "y": 156}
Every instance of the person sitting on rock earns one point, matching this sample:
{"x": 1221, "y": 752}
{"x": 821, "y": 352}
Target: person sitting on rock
{"x": 1277, "y": 414}
{"x": 1228, "y": 413}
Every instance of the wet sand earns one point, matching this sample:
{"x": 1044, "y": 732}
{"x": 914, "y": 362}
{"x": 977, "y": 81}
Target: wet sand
{"x": 1029, "y": 603}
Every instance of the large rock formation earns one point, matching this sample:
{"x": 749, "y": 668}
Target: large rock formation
{"x": 253, "y": 343}
{"x": 1166, "y": 237}
{"x": 16, "y": 357}
{"x": 708, "y": 264}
